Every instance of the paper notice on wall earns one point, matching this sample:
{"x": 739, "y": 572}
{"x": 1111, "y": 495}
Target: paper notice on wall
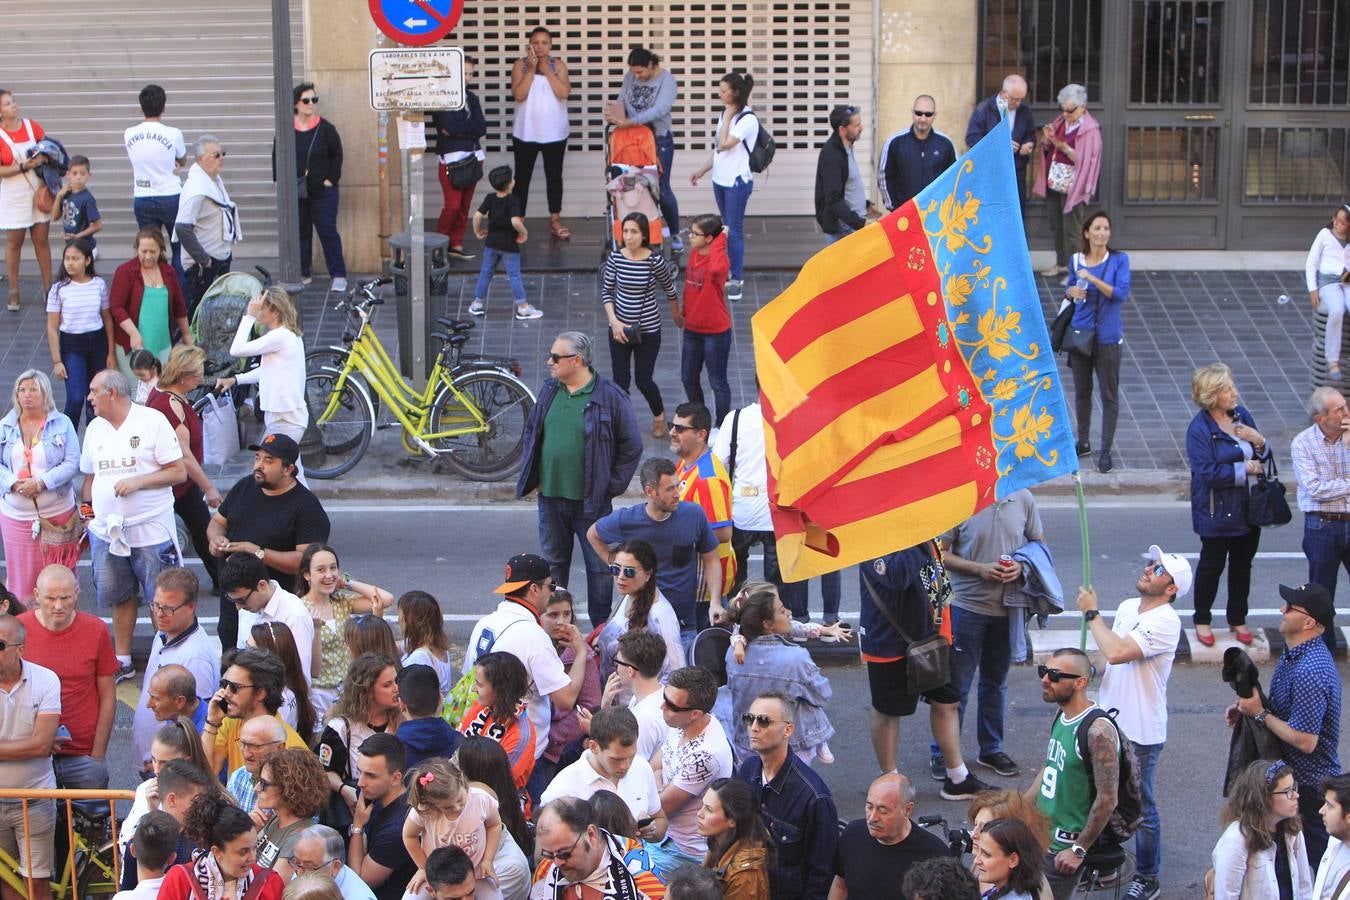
{"x": 412, "y": 132}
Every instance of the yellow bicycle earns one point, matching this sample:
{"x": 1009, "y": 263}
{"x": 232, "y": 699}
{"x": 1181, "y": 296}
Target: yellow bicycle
{"x": 85, "y": 855}
{"x": 472, "y": 412}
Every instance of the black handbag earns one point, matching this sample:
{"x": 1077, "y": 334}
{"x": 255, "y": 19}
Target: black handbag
{"x": 1267, "y": 506}
{"x": 302, "y": 180}
{"x": 1082, "y": 341}
{"x": 1060, "y": 326}
{"x": 928, "y": 663}
{"x": 464, "y": 173}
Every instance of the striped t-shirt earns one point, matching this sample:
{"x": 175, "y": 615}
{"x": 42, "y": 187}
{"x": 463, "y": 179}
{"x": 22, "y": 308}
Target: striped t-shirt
{"x": 80, "y": 305}
{"x": 630, "y": 284}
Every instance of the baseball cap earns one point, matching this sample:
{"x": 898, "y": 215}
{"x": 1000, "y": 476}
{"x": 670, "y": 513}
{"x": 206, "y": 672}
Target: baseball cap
{"x": 1312, "y": 599}
{"x": 522, "y": 569}
{"x": 281, "y": 446}
{"x": 1176, "y": 566}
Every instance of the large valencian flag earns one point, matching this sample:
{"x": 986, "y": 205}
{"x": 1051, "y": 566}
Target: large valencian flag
{"x": 906, "y": 375}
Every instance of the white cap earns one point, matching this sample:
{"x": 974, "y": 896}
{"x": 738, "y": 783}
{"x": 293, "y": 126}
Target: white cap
{"x": 1176, "y": 566}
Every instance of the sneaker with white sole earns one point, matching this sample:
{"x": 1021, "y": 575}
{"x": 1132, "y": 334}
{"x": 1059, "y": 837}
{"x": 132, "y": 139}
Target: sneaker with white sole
{"x": 477, "y": 308}
{"x": 1143, "y": 888}
{"x": 735, "y": 289}
{"x": 965, "y": 790}
{"x": 124, "y": 673}
{"x": 528, "y": 312}
{"x": 339, "y": 285}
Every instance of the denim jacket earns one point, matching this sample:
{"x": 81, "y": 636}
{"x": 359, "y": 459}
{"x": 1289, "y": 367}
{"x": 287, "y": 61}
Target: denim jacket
{"x": 773, "y": 663}
{"x": 800, "y": 813}
{"x": 613, "y": 445}
{"x": 59, "y": 441}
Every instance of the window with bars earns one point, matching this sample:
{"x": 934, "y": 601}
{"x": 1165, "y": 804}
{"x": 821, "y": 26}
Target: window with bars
{"x": 1172, "y": 164}
{"x": 1176, "y": 50}
{"x": 1050, "y": 42}
{"x": 1297, "y": 165}
{"x": 801, "y": 53}
{"x": 1300, "y": 53}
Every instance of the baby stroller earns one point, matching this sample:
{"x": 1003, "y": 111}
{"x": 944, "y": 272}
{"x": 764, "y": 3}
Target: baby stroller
{"x": 633, "y": 181}
{"x": 213, "y": 327}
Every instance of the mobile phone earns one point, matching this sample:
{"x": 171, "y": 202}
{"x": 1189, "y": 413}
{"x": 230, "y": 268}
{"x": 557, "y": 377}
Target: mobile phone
{"x": 224, "y": 706}
{"x": 643, "y": 823}
{"x": 62, "y": 733}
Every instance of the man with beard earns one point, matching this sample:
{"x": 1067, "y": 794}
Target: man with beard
{"x": 270, "y": 515}
{"x": 250, "y": 687}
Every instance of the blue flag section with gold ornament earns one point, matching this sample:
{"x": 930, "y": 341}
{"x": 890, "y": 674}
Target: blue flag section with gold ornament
{"x": 906, "y": 375}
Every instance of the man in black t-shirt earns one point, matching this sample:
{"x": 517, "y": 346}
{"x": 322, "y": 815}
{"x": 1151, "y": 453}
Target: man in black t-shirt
{"x": 269, "y": 514}
{"x": 375, "y": 850}
{"x": 874, "y": 852}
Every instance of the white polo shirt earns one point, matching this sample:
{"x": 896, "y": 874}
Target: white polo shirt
{"x": 195, "y": 650}
{"x": 37, "y": 692}
{"x": 581, "y": 779}
{"x": 652, "y": 727}
{"x": 289, "y": 609}
{"x": 143, "y": 444}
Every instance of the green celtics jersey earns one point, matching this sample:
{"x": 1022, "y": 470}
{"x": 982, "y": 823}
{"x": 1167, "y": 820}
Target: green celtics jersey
{"x": 1066, "y": 787}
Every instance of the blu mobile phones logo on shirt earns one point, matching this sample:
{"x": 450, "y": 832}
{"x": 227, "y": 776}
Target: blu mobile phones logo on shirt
{"x": 108, "y": 465}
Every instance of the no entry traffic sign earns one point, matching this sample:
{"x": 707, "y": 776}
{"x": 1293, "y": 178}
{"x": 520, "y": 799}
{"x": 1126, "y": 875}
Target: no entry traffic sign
{"x": 416, "y": 22}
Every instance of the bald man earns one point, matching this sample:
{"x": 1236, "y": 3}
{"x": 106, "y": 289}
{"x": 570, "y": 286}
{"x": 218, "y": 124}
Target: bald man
{"x": 172, "y": 692}
{"x": 76, "y": 646}
{"x": 259, "y": 736}
{"x": 874, "y": 852}
{"x": 1008, "y": 103}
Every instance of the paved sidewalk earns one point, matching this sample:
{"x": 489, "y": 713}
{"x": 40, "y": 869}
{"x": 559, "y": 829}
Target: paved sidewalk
{"x": 1175, "y": 321}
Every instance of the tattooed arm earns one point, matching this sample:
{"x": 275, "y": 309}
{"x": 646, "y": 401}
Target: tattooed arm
{"x": 1104, "y": 746}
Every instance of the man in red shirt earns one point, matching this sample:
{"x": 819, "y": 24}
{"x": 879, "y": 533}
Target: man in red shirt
{"x": 76, "y": 646}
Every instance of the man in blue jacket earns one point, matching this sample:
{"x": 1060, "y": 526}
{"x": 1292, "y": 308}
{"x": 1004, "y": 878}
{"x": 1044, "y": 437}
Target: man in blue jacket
{"x": 582, "y": 446}
{"x": 913, "y": 159}
{"x": 1007, "y": 103}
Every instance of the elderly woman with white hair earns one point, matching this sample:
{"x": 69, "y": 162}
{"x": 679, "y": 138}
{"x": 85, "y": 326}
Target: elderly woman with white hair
{"x": 39, "y": 461}
{"x": 1070, "y": 162}
{"x": 208, "y": 220}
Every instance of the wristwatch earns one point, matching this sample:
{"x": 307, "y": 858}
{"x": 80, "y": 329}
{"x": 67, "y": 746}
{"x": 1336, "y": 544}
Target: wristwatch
{"x": 260, "y": 553}
{"x": 1260, "y": 718}
{"x": 1091, "y": 614}
{"x": 1078, "y": 851}
{"x": 355, "y": 830}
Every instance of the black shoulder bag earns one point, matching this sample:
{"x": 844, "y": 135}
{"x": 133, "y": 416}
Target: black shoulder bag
{"x": 1267, "y": 506}
{"x": 927, "y": 662}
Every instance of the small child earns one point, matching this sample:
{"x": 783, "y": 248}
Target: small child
{"x": 444, "y": 811}
{"x": 423, "y": 732}
{"x": 502, "y": 237}
{"x": 565, "y": 731}
{"x": 424, "y": 640}
{"x": 147, "y": 368}
{"x": 79, "y": 211}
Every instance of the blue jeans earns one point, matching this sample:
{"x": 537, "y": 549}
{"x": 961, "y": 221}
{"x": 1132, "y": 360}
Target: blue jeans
{"x": 1148, "y": 839}
{"x": 844, "y": 231}
{"x": 670, "y": 207}
{"x": 561, "y": 522}
{"x": 84, "y": 356}
{"x": 118, "y": 579}
{"x": 162, "y": 211}
{"x": 714, "y": 349}
{"x": 731, "y": 202}
{"x": 319, "y": 213}
{"x": 980, "y": 641}
{"x": 512, "y": 262}
{"x": 1327, "y": 546}
{"x": 797, "y": 596}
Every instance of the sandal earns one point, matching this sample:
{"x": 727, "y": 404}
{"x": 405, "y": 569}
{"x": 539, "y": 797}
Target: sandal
{"x": 13, "y": 304}
{"x": 559, "y": 230}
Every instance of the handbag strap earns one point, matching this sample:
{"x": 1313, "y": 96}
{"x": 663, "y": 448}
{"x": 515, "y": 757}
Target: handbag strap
{"x": 731, "y": 463}
{"x": 310, "y": 152}
{"x": 1345, "y": 879}
{"x": 882, "y": 608}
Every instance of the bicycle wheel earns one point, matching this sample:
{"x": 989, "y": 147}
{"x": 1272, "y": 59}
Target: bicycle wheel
{"x": 505, "y": 405}
{"x": 336, "y": 358}
{"x": 341, "y": 423}
{"x": 93, "y": 875}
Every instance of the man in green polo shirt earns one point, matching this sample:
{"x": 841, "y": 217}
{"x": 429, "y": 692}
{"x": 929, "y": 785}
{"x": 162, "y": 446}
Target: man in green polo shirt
{"x": 582, "y": 446}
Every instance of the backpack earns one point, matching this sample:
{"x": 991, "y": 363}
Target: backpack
{"x": 761, "y": 154}
{"x": 1129, "y": 811}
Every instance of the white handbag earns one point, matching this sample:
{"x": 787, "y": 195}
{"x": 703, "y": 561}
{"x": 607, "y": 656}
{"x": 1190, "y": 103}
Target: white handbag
{"x": 220, "y": 430}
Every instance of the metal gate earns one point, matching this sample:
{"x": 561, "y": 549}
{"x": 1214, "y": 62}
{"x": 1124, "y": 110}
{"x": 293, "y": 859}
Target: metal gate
{"x": 1224, "y": 122}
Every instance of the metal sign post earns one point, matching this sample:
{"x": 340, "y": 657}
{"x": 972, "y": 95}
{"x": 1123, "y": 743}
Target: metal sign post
{"x": 411, "y": 82}
{"x": 288, "y": 208}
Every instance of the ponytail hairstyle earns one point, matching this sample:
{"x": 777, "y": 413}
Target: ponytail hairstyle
{"x": 277, "y": 637}
{"x": 741, "y": 83}
{"x": 753, "y": 609}
{"x": 435, "y": 780}
{"x": 144, "y": 359}
{"x": 86, "y": 248}
{"x": 640, "y": 604}
{"x": 181, "y": 737}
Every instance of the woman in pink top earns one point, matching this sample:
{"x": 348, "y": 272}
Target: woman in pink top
{"x": 1070, "y": 161}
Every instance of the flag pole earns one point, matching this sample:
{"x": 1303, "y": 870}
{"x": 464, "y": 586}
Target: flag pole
{"x": 1087, "y": 555}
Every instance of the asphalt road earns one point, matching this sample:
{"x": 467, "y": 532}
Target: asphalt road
{"x": 458, "y": 555}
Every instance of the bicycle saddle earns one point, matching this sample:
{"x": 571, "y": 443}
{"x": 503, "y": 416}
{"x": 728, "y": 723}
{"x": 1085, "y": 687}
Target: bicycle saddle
{"x": 459, "y": 326}
{"x": 454, "y": 340}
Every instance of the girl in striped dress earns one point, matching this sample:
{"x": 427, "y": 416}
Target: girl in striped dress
{"x": 628, "y": 290}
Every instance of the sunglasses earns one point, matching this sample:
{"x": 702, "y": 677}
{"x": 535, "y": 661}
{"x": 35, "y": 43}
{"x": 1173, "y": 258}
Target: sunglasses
{"x": 559, "y": 357}
{"x": 310, "y": 101}
{"x": 561, "y": 855}
{"x": 6, "y": 645}
{"x": 756, "y": 719}
{"x": 219, "y": 154}
{"x": 665, "y": 701}
{"x": 1055, "y": 675}
{"x": 680, "y": 429}
{"x": 1158, "y": 570}
{"x": 923, "y": 114}
{"x": 233, "y": 687}
{"x": 625, "y": 571}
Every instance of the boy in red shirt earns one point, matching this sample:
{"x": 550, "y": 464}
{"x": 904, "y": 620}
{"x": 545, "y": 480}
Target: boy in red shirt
{"x": 707, "y": 321}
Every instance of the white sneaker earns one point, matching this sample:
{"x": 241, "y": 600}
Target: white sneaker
{"x": 339, "y": 286}
{"x": 734, "y": 290}
{"x": 306, "y": 279}
{"x": 527, "y": 312}
{"x": 476, "y": 308}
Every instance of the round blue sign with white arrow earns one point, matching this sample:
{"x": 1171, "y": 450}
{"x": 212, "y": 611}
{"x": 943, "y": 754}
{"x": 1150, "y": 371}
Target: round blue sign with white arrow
{"x": 416, "y": 22}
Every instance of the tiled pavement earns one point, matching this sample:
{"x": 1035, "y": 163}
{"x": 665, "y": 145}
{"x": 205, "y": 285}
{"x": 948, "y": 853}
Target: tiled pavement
{"x": 1175, "y": 321}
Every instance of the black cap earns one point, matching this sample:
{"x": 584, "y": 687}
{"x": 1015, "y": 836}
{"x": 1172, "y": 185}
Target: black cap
{"x": 281, "y": 446}
{"x": 1313, "y": 599}
{"x": 522, "y": 569}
